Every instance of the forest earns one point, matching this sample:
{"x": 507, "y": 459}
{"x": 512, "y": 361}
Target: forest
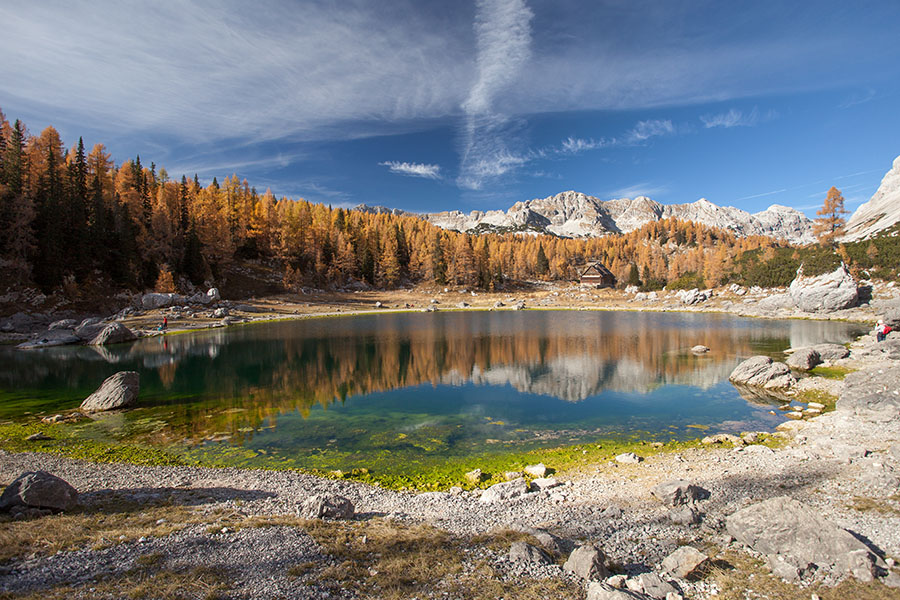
{"x": 69, "y": 218}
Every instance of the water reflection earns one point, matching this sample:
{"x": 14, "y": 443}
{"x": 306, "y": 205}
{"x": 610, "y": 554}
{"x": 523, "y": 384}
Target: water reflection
{"x": 233, "y": 381}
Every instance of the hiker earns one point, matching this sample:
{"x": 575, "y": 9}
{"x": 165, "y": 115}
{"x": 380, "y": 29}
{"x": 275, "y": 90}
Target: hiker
{"x": 881, "y": 330}
{"x": 165, "y": 324}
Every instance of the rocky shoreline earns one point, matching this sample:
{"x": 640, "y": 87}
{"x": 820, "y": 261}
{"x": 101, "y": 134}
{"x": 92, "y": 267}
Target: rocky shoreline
{"x": 842, "y": 466}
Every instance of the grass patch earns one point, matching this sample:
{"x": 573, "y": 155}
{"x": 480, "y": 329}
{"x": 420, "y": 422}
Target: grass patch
{"x": 829, "y": 400}
{"x": 833, "y": 372}
{"x": 889, "y": 506}
{"x": 740, "y": 576}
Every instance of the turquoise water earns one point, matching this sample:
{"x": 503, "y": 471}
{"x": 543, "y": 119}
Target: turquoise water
{"x": 397, "y": 389}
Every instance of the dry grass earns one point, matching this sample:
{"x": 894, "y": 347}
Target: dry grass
{"x": 741, "y": 577}
{"x": 95, "y": 528}
{"x": 888, "y": 506}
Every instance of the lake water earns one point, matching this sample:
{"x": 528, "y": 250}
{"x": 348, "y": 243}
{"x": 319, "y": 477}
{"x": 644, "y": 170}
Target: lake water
{"x": 398, "y": 391}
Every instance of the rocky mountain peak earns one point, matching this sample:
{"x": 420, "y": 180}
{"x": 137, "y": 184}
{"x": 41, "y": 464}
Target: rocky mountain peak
{"x": 880, "y": 212}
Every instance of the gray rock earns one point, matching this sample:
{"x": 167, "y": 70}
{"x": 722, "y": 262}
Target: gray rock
{"x": 220, "y": 313}
{"x": 39, "y": 489}
{"x": 474, "y": 476}
{"x": 776, "y": 302}
{"x": 700, "y": 349}
{"x": 598, "y": 590}
{"x": 804, "y": 359}
{"x": 89, "y": 328}
{"x": 114, "y": 333}
{"x": 462, "y": 305}
{"x": 118, "y": 391}
{"x": 652, "y": 585}
{"x": 213, "y": 294}
{"x": 327, "y": 506}
{"x": 892, "y": 318}
{"x": 20, "y": 322}
{"x": 684, "y": 515}
{"x": 824, "y": 293}
{"x": 762, "y": 371}
{"x": 784, "y": 529}
{"x": 872, "y": 395}
{"x": 63, "y": 324}
{"x": 691, "y": 297}
{"x": 831, "y": 351}
{"x": 158, "y": 300}
{"x": 587, "y": 561}
{"x": 523, "y": 552}
{"x": 544, "y": 483}
{"x": 538, "y": 470}
{"x": 678, "y": 492}
{"x": 685, "y": 562}
{"x": 49, "y": 338}
{"x": 628, "y": 458}
{"x": 550, "y": 542}
{"x": 506, "y": 490}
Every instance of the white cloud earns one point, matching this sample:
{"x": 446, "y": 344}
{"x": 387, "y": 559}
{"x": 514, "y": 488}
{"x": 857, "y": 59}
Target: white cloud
{"x": 413, "y": 169}
{"x": 573, "y": 145}
{"x": 639, "y": 189}
{"x": 732, "y": 118}
{"x": 503, "y": 44}
{"x": 644, "y": 130}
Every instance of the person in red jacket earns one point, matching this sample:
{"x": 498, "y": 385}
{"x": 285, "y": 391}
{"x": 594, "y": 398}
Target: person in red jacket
{"x": 881, "y": 330}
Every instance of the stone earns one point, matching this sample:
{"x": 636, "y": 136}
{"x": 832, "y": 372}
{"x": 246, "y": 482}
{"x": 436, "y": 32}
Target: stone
{"x": 327, "y": 506}
{"x": 39, "y": 489}
{"x": 114, "y": 333}
{"x": 199, "y": 298}
{"x": 871, "y": 395}
{"x": 50, "y": 338}
{"x": 685, "y": 562}
{"x": 762, "y": 371}
{"x": 652, "y": 585}
{"x": 158, "y": 300}
{"x": 544, "y": 483}
{"x": 678, "y": 491}
{"x": 117, "y": 391}
{"x": 38, "y": 437}
{"x": 786, "y": 530}
{"x": 213, "y": 295}
{"x": 804, "y": 359}
{"x": 523, "y": 552}
{"x": 505, "y": 490}
{"x": 831, "y": 351}
{"x": 684, "y": 515}
{"x": 89, "y": 329}
{"x": 220, "y": 313}
{"x": 63, "y": 324}
{"x": 549, "y": 541}
{"x": 587, "y": 561}
{"x": 776, "y": 302}
{"x": 474, "y": 476}
{"x": 538, "y": 470}
{"x": 510, "y": 475}
{"x": 824, "y": 293}
{"x": 628, "y": 458}
{"x": 520, "y": 305}
{"x": 691, "y": 297}
{"x": 722, "y": 438}
{"x": 700, "y": 349}
{"x": 462, "y": 305}
{"x": 599, "y": 590}
{"x": 861, "y": 565}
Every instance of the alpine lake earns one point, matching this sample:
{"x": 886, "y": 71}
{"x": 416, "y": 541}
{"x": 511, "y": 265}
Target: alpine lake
{"x": 413, "y": 399}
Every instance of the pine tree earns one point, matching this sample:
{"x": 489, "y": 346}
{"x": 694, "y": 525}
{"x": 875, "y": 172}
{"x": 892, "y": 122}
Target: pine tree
{"x": 542, "y": 265}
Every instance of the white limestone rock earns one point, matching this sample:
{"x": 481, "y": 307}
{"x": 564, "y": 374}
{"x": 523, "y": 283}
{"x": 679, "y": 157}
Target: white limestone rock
{"x": 824, "y": 293}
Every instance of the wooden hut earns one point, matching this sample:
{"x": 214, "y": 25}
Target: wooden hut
{"x": 597, "y": 274}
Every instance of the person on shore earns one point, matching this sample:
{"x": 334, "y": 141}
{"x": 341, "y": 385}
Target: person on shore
{"x": 881, "y": 330}
{"x": 165, "y": 324}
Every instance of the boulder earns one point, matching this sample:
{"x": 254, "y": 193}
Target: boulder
{"x": 118, "y": 391}
{"x": 871, "y": 395}
{"x": 523, "y": 552}
{"x": 63, "y": 324}
{"x": 628, "y": 458}
{"x": 722, "y": 438}
{"x": 544, "y": 483}
{"x": 474, "y": 476}
{"x": 114, "y": 333}
{"x": 831, "y": 351}
{"x": 220, "y": 313}
{"x": 762, "y": 371}
{"x": 891, "y": 317}
{"x": 684, "y": 515}
{"x": 158, "y": 300}
{"x": 549, "y": 541}
{"x": 789, "y": 532}
{"x": 38, "y": 489}
{"x": 804, "y": 359}
{"x": 506, "y": 490}
{"x": 824, "y": 293}
{"x": 199, "y": 298}
{"x": 587, "y": 561}
{"x": 691, "y": 297}
{"x": 678, "y": 492}
{"x": 326, "y": 506}
{"x": 652, "y": 585}
{"x": 684, "y": 562}
{"x": 775, "y": 302}
{"x": 598, "y": 590}
{"x": 538, "y": 470}
{"x": 700, "y": 349}
{"x": 49, "y": 338}
{"x": 89, "y": 328}
{"x": 213, "y": 294}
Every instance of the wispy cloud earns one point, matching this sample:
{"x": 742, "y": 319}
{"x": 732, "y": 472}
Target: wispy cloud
{"x": 639, "y": 189}
{"x": 644, "y": 130}
{"x": 503, "y": 43}
{"x": 413, "y": 169}
{"x": 574, "y": 145}
{"x": 858, "y": 98}
{"x": 732, "y": 118}
{"x": 762, "y": 195}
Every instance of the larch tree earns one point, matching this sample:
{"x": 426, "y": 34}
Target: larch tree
{"x": 830, "y": 224}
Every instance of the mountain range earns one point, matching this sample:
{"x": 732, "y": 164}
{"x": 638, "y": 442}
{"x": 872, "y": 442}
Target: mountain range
{"x": 573, "y": 214}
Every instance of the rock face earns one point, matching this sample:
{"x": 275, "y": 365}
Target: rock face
{"x": 118, "y": 391}
{"x": 871, "y": 394}
{"x": 114, "y": 333}
{"x": 804, "y": 359}
{"x": 762, "y": 371}
{"x": 39, "y": 489}
{"x": 327, "y": 506}
{"x": 794, "y": 537}
{"x": 824, "y": 293}
{"x": 587, "y": 561}
{"x": 880, "y": 212}
{"x": 573, "y": 214}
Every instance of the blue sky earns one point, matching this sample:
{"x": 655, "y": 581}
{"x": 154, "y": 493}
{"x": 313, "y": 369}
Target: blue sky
{"x": 432, "y": 105}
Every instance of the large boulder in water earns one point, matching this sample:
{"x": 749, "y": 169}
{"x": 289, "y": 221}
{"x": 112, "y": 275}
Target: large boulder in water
{"x": 114, "y": 333}
{"x": 118, "y": 391}
{"x": 38, "y": 489}
{"x": 804, "y": 359}
{"x": 824, "y": 293}
{"x": 762, "y": 371}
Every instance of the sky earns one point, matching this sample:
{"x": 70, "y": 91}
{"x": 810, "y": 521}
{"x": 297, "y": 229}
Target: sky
{"x": 428, "y": 105}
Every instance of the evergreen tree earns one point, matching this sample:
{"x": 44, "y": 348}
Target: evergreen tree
{"x": 542, "y": 265}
